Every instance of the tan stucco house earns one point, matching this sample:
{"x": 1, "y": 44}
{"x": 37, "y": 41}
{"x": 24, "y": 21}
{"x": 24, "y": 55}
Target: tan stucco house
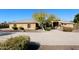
{"x": 33, "y": 25}
{"x": 27, "y": 25}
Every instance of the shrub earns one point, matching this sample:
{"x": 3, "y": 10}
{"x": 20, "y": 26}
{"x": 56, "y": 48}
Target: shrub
{"x": 67, "y": 29}
{"x": 76, "y": 26}
{"x": 48, "y": 28}
{"x": 15, "y": 28}
{"x": 15, "y": 43}
{"x": 52, "y": 27}
{"x": 4, "y": 26}
{"x": 21, "y": 28}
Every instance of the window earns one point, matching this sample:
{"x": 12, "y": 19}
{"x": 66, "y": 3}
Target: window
{"x": 28, "y": 26}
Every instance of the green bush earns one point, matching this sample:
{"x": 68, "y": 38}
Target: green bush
{"x": 21, "y": 28}
{"x": 15, "y": 28}
{"x": 67, "y": 29}
{"x": 15, "y": 43}
{"x": 48, "y": 28}
{"x": 52, "y": 27}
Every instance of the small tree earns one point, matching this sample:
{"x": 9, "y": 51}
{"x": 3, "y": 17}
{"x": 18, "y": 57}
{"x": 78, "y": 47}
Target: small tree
{"x": 40, "y": 17}
{"x": 44, "y": 19}
{"x": 52, "y": 18}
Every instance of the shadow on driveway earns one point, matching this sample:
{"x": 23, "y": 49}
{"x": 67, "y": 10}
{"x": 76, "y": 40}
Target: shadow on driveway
{"x": 5, "y": 33}
{"x": 33, "y": 46}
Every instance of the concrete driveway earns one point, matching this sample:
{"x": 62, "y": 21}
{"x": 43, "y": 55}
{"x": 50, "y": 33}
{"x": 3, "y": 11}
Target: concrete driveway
{"x": 53, "y": 39}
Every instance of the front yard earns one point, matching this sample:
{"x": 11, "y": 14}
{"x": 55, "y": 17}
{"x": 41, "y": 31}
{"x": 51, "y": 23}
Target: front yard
{"x": 51, "y": 38}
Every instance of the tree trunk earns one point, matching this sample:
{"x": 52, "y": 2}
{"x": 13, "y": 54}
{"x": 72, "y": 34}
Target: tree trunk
{"x": 42, "y": 26}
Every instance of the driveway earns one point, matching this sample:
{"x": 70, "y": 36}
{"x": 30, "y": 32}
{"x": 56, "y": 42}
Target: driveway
{"x": 53, "y": 39}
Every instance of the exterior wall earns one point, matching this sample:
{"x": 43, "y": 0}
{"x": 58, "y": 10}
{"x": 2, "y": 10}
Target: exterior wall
{"x": 61, "y": 25}
{"x": 10, "y": 26}
{"x": 33, "y": 26}
{"x": 22, "y": 25}
{"x": 25, "y": 26}
{"x": 67, "y": 25}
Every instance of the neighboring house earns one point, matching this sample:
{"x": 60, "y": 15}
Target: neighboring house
{"x": 27, "y": 25}
{"x": 4, "y": 25}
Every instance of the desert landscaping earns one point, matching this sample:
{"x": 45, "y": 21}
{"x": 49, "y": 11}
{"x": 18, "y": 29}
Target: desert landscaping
{"x": 44, "y": 31}
{"x": 50, "y": 40}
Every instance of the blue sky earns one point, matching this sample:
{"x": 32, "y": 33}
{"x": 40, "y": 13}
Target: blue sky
{"x": 10, "y": 15}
